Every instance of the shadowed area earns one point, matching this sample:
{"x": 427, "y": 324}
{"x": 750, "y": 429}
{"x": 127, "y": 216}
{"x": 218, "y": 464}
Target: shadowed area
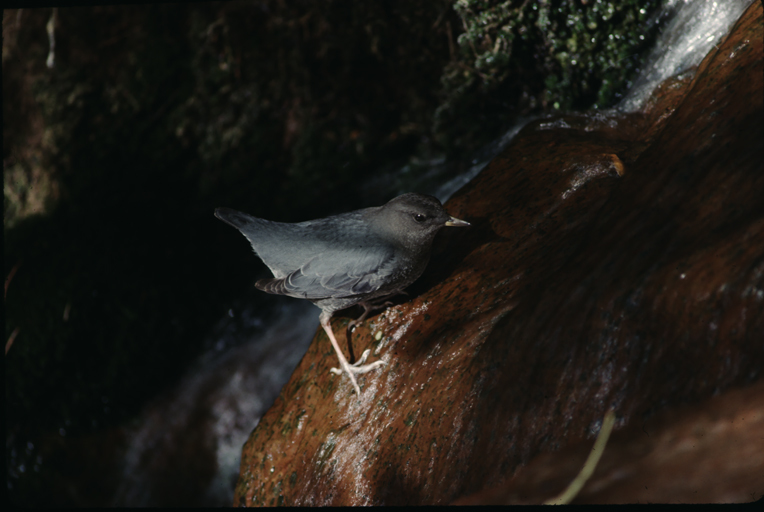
{"x": 708, "y": 453}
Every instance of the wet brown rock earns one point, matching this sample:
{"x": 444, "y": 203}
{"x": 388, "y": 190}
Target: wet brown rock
{"x": 614, "y": 263}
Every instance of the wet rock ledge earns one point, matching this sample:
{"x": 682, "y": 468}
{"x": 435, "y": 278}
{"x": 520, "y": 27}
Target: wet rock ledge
{"x": 614, "y": 262}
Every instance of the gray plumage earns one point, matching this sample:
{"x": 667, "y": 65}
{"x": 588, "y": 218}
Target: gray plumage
{"x": 359, "y": 257}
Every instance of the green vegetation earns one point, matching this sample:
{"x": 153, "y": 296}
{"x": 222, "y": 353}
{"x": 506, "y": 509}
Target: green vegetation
{"x": 518, "y": 56}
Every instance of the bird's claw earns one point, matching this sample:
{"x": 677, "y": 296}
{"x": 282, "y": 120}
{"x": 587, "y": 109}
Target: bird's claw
{"x": 358, "y": 368}
{"x": 363, "y": 357}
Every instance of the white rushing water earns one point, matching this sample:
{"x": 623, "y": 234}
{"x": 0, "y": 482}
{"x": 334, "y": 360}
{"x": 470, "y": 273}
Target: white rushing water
{"x": 216, "y": 404}
{"x": 694, "y": 28}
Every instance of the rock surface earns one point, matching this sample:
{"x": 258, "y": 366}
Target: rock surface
{"x": 712, "y": 452}
{"x": 614, "y": 262}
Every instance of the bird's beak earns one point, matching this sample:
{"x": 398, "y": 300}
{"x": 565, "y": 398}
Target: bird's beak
{"x": 457, "y": 223}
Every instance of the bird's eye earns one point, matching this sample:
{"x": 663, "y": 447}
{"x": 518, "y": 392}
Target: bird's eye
{"x": 419, "y": 217}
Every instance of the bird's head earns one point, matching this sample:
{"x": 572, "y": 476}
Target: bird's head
{"x": 413, "y": 219}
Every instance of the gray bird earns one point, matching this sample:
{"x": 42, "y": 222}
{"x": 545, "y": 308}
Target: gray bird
{"x": 361, "y": 257}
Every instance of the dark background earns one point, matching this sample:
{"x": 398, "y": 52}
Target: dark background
{"x": 153, "y": 115}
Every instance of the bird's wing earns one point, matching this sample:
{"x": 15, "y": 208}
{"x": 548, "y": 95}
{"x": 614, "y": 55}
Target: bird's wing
{"x": 335, "y": 275}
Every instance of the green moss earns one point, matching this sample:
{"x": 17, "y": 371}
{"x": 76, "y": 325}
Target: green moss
{"x": 517, "y": 56}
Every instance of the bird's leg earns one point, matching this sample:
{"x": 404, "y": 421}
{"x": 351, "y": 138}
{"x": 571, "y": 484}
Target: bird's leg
{"x": 368, "y": 307}
{"x": 351, "y": 325}
{"x": 345, "y": 366}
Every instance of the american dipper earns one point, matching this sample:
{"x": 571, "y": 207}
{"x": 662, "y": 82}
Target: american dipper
{"x": 360, "y": 257}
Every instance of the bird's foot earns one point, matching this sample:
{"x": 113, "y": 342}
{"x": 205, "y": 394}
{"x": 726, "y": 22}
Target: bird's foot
{"x": 350, "y": 369}
{"x": 357, "y": 368}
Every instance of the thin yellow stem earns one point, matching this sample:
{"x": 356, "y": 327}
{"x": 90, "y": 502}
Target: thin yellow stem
{"x": 591, "y": 463}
